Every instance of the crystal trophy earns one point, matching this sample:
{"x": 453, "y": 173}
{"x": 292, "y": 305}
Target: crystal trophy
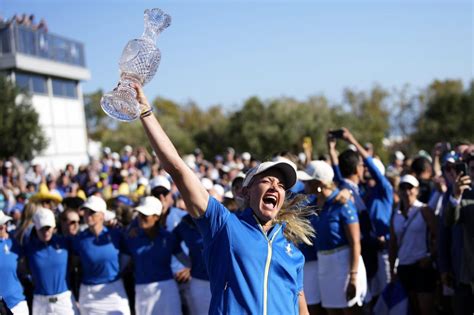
{"x": 138, "y": 64}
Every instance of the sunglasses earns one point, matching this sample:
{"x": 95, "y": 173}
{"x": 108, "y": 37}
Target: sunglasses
{"x": 405, "y": 186}
{"x": 73, "y": 222}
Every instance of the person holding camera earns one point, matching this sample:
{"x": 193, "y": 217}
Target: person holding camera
{"x": 460, "y": 211}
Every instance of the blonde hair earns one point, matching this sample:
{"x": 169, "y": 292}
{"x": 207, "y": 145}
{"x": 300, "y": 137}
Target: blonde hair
{"x": 294, "y": 216}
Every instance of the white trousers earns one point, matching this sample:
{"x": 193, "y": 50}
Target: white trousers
{"x": 104, "y": 299}
{"x": 59, "y": 304}
{"x": 333, "y": 275}
{"x": 20, "y": 309}
{"x": 157, "y": 298}
{"x": 200, "y": 296}
{"x": 312, "y": 292}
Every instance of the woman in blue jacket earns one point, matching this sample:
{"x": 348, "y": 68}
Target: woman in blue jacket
{"x": 10, "y": 253}
{"x": 252, "y": 261}
{"x": 102, "y": 291}
{"x": 199, "y": 285}
{"x": 47, "y": 254}
{"x": 341, "y": 272}
{"x": 156, "y": 291}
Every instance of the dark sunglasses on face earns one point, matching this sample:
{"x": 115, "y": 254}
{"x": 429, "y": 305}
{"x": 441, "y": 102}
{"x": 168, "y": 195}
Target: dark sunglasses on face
{"x": 73, "y": 222}
{"x": 405, "y": 186}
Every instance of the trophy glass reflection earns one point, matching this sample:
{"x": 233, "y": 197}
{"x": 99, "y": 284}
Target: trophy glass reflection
{"x": 138, "y": 64}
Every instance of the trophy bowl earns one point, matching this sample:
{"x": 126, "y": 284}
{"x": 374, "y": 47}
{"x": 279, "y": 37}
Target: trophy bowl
{"x": 138, "y": 64}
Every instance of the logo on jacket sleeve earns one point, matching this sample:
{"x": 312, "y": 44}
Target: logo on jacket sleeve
{"x": 288, "y": 249}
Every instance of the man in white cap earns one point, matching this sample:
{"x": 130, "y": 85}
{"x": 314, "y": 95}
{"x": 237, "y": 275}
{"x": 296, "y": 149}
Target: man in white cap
{"x": 47, "y": 255}
{"x": 99, "y": 250}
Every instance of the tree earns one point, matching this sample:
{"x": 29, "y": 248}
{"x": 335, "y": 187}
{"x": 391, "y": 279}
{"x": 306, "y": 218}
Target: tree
{"x": 21, "y": 134}
{"x": 448, "y": 114}
{"x": 96, "y": 120}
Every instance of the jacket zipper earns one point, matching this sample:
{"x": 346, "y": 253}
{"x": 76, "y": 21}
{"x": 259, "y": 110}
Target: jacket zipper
{"x": 267, "y": 265}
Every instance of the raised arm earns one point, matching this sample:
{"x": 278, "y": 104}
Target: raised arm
{"x": 194, "y": 195}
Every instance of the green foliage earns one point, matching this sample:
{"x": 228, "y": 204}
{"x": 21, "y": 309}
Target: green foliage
{"x": 21, "y": 134}
{"x": 444, "y": 111}
{"x": 448, "y": 114}
{"x": 96, "y": 119}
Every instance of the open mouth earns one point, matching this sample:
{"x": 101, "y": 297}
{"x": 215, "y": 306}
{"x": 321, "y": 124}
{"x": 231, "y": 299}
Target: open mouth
{"x": 270, "y": 201}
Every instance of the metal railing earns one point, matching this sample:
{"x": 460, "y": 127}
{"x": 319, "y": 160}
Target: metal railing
{"x": 16, "y": 38}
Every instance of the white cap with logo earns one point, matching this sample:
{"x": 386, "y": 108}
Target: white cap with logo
{"x": 287, "y": 167}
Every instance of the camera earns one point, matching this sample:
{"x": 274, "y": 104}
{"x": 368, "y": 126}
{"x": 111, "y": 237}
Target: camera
{"x": 336, "y": 133}
{"x": 461, "y": 168}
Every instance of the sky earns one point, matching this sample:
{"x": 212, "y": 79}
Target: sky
{"x": 222, "y": 52}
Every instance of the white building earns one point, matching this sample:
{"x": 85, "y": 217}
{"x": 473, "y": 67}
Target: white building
{"x": 50, "y": 68}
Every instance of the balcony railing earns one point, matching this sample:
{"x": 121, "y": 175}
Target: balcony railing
{"x": 16, "y": 38}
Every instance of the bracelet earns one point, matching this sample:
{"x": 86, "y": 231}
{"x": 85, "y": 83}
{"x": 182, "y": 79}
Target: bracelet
{"x": 353, "y": 272}
{"x": 146, "y": 113}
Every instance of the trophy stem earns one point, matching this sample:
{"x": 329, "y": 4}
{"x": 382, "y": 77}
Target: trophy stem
{"x": 121, "y": 103}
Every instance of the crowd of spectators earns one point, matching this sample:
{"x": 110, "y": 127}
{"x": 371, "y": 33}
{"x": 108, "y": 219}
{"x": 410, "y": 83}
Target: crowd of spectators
{"x": 25, "y": 20}
{"x": 414, "y": 221}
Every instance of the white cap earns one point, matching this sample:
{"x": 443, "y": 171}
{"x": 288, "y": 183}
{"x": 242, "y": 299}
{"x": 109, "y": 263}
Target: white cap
{"x": 317, "y": 170}
{"x": 96, "y": 204}
{"x": 109, "y": 215}
{"x": 142, "y": 181}
{"x": 379, "y": 165}
{"x": 409, "y": 179}
{"x": 246, "y": 156}
{"x": 115, "y": 156}
{"x": 219, "y": 189}
{"x": 207, "y": 183}
{"x": 160, "y": 181}
{"x": 399, "y": 155}
{"x": 287, "y": 167}
{"x": 43, "y": 217}
{"x": 149, "y": 206}
{"x": 127, "y": 148}
{"x": 4, "y": 218}
{"x": 107, "y": 150}
{"x": 228, "y": 194}
{"x": 8, "y": 164}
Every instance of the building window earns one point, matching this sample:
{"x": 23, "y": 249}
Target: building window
{"x": 32, "y": 83}
{"x": 64, "y": 88}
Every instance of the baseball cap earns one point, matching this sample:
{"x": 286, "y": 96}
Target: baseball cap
{"x": 160, "y": 181}
{"x": 96, "y": 204}
{"x": 149, "y": 206}
{"x": 287, "y": 167}
{"x": 207, "y": 183}
{"x": 4, "y": 218}
{"x": 43, "y": 217}
{"x": 409, "y": 179}
{"x": 317, "y": 170}
{"x": 399, "y": 155}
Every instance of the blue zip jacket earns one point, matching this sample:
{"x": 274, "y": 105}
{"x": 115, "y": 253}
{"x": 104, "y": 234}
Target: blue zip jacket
{"x": 251, "y": 272}
{"x": 188, "y": 232}
{"x": 379, "y": 200}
